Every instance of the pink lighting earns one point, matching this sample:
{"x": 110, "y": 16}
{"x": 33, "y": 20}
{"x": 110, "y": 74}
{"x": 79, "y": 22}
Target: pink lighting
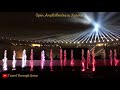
{"x": 42, "y": 59}
{"x": 93, "y": 60}
{"x": 88, "y": 58}
{"x": 64, "y": 57}
{"x": 83, "y": 61}
{"x": 61, "y": 61}
{"x": 14, "y": 61}
{"x": 24, "y": 58}
{"x": 104, "y": 56}
{"x": 116, "y": 61}
{"x": 51, "y": 60}
{"x": 72, "y": 59}
{"x": 31, "y": 60}
{"x": 111, "y": 58}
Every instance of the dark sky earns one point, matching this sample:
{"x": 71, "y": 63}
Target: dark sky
{"x": 26, "y": 23}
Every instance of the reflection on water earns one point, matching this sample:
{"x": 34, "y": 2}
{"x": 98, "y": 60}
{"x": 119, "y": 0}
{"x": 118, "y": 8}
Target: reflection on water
{"x": 67, "y": 73}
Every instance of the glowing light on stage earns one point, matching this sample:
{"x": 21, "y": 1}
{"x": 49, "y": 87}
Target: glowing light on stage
{"x": 100, "y": 44}
{"x": 96, "y": 27}
{"x": 35, "y": 45}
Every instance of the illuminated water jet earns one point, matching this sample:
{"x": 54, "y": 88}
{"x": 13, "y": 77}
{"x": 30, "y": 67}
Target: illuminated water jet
{"x": 65, "y": 57}
{"x": 51, "y": 60}
{"x": 42, "y": 59}
{"x": 72, "y": 60}
{"x": 61, "y": 60}
{"x": 14, "y": 61}
{"x": 115, "y": 58}
{"x": 111, "y": 58}
{"x": 93, "y": 60}
{"x": 83, "y": 61}
{"x": 5, "y": 61}
{"x": 104, "y": 56}
{"x": 88, "y": 58}
{"x": 31, "y": 60}
{"x": 24, "y": 59}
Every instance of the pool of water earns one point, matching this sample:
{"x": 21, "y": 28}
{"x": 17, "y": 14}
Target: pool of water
{"x": 65, "y": 73}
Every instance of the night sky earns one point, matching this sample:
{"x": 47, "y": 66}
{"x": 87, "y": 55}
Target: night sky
{"x": 15, "y": 21}
{"x": 23, "y": 24}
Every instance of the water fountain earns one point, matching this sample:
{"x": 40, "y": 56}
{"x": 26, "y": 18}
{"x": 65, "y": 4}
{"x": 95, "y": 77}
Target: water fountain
{"x": 31, "y": 60}
{"x": 42, "y": 59}
{"x": 61, "y": 61}
{"x": 115, "y": 58}
{"x": 51, "y": 60}
{"x": 14, "y": 61}
{"x": 111, "y": 58}
{"x": 93, "y": 60}
{"x": 5, "y": 61}
{"x": 64, "y": 57}
{"x": 24, "y": 58}
{"x": 72, "y": 59}
{"x": 104, "y": 56}
{"x": 88, "y": 58}
{"x": 83, "y": 61}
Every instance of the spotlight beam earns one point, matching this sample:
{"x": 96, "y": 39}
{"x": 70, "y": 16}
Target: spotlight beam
{"x": 113, "y": 34}
{"x": 100, "y": 16}
{"x": 102, "y": 30}
{"x": 83, "y": 35}
{"x": 108, "y": 16}
{"x": 106, "y": 35}
{"x": 98, "y": 37}
{"x": 92, "y": 37}
{"x": 89, "y": 37}
{"x": 95, "y": 37}
{"x": 103, "y": 35}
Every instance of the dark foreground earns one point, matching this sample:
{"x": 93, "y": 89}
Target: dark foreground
{"x": 63, "y": 73}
